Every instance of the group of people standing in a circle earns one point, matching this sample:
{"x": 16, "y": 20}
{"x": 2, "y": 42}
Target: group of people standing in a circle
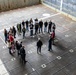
{"x": 35, "y": 27}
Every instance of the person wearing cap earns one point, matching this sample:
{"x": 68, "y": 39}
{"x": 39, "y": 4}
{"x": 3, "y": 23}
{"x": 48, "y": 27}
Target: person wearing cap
{"x": 39, "y": 45}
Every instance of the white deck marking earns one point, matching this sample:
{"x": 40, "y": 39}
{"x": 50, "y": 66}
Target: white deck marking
{"x": 4, "y": 47}
{"x": 13, "y": 59}
{"x": 58, "y": 57}
{"x": 29, "y": 52}
{"x": 25, "y": 74}
{"x": 33, "y": 69}
{"x": 71, "y": 50}
{"x": 66, "y": 35}
{"x": 3, "y": 70}
{"x": 43, "y": 66}
{"x": 46, "y": 14}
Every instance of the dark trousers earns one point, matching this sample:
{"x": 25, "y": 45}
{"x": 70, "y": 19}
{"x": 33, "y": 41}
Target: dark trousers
{"x": 23, "y": 35}
{"x": 40, "y": 29}
{"x": 27, "y": 28}
{"x": 10, "y": 50}
{"x": 38, "y": 49}
{"x": 23, "y": 57}
{"x": 36, "y": 31}
{"x": 5, "y": 39}
{"x": 49, "y": 30}
{"x": 50, "y": 47}
{"x": 14, "y": 35}
{"x": 31, "y": 32}
{"x": 53, "y": 40}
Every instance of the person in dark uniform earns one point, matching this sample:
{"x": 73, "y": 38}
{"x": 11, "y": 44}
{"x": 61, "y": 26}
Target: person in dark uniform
{"x": 31, "y": 29}
{"x": 20, "y": 28}
{"x": 23, "y": 23}
{"x": 20, "y": 44}
{"x": 39, "y": 45}
{"x": 45, "y": 26}
{"x": 5, "y": 35}
{"x": 17, "y": 47}
{"x": 27, "y": 25}
{"x": 50, "y": 44}
{"x": 23, "y": 30}
{"x": 40, "y": 26}
{"x": 54, "y": 27}
{"x": 36, "y": 28}
{"x": 23, "y": 54}
{"x": 49, "y": 27}
{"x": 14, "y": 31}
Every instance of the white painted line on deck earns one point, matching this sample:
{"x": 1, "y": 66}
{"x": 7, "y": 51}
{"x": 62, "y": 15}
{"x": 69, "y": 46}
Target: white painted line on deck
{"x": 1, "y": 62}
{"x": 3, "y": 70}
{"x": 49, "y": 16}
